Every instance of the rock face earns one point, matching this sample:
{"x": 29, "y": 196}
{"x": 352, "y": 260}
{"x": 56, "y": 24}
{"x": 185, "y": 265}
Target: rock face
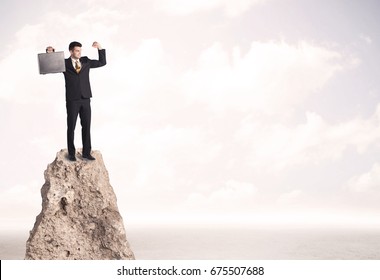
{"x": 79, "y": 218}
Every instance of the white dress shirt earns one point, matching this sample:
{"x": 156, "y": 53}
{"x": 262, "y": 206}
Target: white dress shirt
{"x": 74, "y": 61}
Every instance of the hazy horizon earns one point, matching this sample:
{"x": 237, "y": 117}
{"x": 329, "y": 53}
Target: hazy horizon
{"x": 228, "y": 243}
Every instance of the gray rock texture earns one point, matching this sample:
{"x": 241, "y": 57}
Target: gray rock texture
{"x": 79, "y": 218}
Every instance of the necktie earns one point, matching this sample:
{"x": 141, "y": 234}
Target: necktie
{"x": 77, "y": 66}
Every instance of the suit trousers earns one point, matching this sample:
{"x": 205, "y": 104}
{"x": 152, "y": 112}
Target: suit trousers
{"x": 83, "y": 108}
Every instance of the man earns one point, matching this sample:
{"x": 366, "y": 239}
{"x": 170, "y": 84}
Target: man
{"x": 78, "y": 94}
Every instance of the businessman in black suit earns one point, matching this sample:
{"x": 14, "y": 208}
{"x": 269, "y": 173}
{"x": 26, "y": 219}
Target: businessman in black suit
{"x": 78, "y": 94}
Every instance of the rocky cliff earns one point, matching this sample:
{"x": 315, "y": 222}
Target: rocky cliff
{"x": 79, "y": 218}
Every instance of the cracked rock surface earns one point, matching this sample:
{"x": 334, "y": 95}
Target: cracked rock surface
{"x": 79, "y": 218}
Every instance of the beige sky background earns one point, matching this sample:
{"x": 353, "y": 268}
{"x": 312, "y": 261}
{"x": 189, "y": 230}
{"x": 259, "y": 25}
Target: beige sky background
{"x": 250, "y": 111}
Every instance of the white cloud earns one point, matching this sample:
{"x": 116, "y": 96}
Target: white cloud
{"x": 271, "y": 77}
{"x": 366, "y": 182}
{"x": 183, "y": 7}
{"x": 279, "y": 146}
{"x": 366, "y": 39}
{"x": 289, "y": 197}
{"x": 234, "y": 196}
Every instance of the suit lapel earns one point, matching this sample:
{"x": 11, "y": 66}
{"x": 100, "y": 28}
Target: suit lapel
{"x": 69, "y": 64}
{"x": 83, "y": 62}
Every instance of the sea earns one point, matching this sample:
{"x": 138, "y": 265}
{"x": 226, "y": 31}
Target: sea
{"x": 232, "y": 243}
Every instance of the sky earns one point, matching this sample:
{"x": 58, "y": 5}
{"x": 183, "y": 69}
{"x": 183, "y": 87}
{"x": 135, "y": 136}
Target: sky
{"x": 207, "y": 112}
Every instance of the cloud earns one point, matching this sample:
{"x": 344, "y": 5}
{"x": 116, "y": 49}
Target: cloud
{"x": 234, "y": 196}
{"x": 367, "y": 39}
{"x": 278, "y": 146}
{"x": 183, "y": 7}
{"x": 366, "y": 182}
{"x": 289, "y": 197}
{"x": 270, "y": 77}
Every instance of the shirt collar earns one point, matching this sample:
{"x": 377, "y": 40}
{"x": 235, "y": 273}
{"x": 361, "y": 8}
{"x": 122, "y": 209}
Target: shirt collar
{"x": 74, "y": 60}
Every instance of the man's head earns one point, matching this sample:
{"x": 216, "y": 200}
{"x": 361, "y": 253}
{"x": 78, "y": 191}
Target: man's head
{"x": 75, "y": 49}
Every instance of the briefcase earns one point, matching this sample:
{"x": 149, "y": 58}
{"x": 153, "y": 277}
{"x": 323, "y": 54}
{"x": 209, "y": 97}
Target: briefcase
{"x": 51, "y": 62}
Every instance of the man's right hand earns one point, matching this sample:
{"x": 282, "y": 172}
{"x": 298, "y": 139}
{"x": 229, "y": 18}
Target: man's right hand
{"x": 50, "y": 49}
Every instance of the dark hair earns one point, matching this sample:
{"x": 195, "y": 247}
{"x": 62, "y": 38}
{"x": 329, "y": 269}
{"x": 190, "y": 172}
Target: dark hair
{"x": 74, "y": 44}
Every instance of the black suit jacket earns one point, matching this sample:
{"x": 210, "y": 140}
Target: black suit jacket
{"x": 78, "y": 85}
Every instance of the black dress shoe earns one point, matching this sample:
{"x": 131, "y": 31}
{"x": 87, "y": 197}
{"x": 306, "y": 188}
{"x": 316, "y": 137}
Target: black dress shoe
{"x": 72, "y": 158}
{"x": 90, "y": 157}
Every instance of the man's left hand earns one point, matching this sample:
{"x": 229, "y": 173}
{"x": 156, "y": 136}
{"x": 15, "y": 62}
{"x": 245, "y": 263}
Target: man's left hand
{"x": 96, "y": 45}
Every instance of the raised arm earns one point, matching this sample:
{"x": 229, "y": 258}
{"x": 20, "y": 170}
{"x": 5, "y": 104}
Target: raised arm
{"x": 102, "y": 56}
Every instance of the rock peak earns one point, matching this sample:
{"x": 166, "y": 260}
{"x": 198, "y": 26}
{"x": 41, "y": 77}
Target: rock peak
{"x": 79, "y": 217}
